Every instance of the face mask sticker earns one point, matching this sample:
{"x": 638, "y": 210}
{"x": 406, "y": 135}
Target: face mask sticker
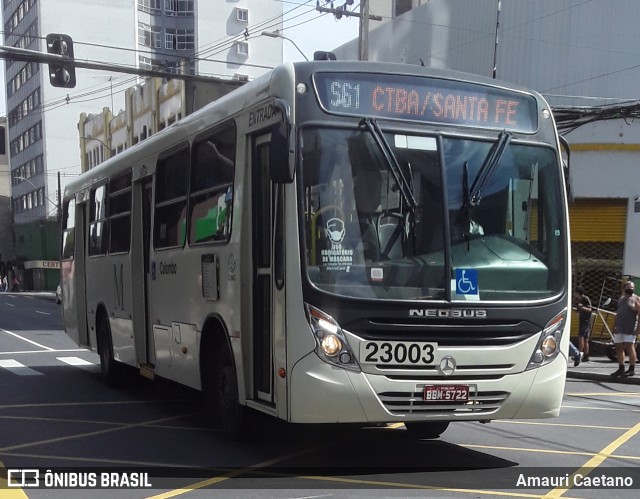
{"x": 337, "y": 258}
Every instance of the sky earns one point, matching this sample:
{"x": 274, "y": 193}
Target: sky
{"x": 314, "y": 30}
{"x": 308, "y": 29}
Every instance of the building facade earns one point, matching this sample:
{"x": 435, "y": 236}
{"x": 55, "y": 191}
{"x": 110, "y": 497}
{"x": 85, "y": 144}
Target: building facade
{"x": 172, "y": 35}
{"x": 149, "y": 107}
{"x": 6, "y": 233}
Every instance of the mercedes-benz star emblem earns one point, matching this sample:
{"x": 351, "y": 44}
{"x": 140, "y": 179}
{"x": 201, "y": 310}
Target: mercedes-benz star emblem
{"x": 447, "y": 365}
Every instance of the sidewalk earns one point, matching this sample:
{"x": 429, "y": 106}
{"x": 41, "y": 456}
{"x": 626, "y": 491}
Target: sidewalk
{"x": 46, "y": 295}
{"x": 599, "y": 369}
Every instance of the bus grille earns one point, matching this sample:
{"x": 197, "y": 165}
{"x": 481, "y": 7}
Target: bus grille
{"x": 401, "y": 403}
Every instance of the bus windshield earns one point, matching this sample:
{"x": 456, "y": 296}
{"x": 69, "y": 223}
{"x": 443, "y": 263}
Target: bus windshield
{"x": 407, "y": 217}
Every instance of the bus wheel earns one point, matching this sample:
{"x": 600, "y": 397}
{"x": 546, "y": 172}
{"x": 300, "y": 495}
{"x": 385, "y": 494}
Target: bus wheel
{"x": 230, "y": 415}
{"x": 108, "y": 364}
{"x": 428, "y": 430}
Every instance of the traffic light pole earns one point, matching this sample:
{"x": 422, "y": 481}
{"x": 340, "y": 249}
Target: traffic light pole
{"x": 18, "y": 54}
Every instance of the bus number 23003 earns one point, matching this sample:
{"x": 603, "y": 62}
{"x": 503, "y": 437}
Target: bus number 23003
{"x": 397, "y": 353}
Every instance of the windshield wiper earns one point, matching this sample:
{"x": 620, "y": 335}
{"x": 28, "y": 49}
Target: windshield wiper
{"x": 488, "y": 167}
{"x": 392, "y": 162}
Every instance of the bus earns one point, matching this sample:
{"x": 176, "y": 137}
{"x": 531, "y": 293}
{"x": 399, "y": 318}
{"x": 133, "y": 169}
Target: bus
{"x": 334, "y": 242}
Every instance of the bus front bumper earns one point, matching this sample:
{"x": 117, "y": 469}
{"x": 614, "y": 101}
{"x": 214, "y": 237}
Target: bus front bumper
{"x": 321, "y": 393}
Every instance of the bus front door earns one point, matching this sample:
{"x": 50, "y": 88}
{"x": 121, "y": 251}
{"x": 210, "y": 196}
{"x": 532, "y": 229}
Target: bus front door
{"x": 264, "y": 293}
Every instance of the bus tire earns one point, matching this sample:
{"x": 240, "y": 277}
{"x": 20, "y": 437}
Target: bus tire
{"x": 231, "y": 417}
{"x": 108, "y": 364}
{"x": 426, "y": 430}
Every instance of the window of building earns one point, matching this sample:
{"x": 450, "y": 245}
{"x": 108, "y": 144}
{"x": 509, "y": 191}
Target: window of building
{"x": 151, "y": 6}
{"x": 242, "y": 48}
{"x": 242, "y": 15}
{"x": 170, "y": 39}
{"x": 145, "y": 62}
{"x": 149, "y": 36}
{"x": 171, "y": 200}
{"x": 401, "y": 6}
{"x": 170, "y": 7}
{"x": 186, "y": 39}
{"x": 185, "y": 7}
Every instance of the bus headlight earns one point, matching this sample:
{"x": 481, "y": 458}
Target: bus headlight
{"x": 331, "y": 342}
{"x": 548, "y": 347}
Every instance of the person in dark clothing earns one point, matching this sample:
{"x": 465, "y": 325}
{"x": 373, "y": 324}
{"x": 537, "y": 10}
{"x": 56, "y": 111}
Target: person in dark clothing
{"x": 583, "y": 306}
{"x": 626, "y": 331}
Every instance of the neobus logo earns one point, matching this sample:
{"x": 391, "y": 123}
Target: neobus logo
{"x": 454, "y": 313}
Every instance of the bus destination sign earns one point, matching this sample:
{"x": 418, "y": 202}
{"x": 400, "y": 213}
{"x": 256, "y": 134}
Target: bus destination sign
{"x": 428, "y": 100}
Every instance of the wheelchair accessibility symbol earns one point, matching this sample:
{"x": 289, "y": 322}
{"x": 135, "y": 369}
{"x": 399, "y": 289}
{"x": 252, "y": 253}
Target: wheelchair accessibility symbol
{"x": 466, "y": 282}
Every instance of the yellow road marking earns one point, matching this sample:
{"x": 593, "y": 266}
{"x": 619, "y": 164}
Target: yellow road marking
{"x": 10, "y": 493}
{"x": 604, "y": 394}
{"x": 103, "y": 422}
{"x": 88, "y": 404}
{"x": 92, "y": 433}
{"x": 590, "y": 408}
{"x": 537, "y": 423}
{"x": 597, "y": 459}
{"x": 525, "y": 449}
{"x": 233, "y": 474}
{"x": 546, "y": 451}
{"x": 398, "y": 485}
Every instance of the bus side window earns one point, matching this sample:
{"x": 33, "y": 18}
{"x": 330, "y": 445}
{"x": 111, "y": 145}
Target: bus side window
{"x": 99, "y": 226}
{"x": 171, "y": 200}
{"x": 120, "y": 213}
{"x": 212, "y": 188}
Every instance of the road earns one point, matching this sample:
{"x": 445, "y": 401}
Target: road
{"x": 57, "y": 414}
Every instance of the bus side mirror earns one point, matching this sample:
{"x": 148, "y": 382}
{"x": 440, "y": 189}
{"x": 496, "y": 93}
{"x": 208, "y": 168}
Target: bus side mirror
{"x": 281, "y": 159}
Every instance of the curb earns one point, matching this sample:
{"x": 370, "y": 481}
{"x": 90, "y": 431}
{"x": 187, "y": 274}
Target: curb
{"x": 603, "y": 377}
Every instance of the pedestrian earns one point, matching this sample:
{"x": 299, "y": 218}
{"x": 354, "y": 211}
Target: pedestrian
{"x": 15, "y": 284}
{"x": 583, "y": 306}
{"x": 5, "y": 284}
{"x": 626, "y": 331}
{"x": 576, "y": 355}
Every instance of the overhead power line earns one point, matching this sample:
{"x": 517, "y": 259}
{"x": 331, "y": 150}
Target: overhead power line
{"x": 568, "y": 118}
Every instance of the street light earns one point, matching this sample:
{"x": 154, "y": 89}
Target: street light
{"x": 104, "y": 147}
{"x": 96, "y": 139}
{"x": 277, "y": 34}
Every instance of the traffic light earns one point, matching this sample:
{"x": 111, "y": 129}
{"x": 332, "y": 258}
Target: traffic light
{"x": 61, "y": 74}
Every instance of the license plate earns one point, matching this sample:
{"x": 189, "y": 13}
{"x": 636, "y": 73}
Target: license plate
{"x": 400, "y": 353}
{"x": 446, "y": 393}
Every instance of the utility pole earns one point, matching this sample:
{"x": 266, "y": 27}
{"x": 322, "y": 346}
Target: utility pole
{"x": 363, "y": 15}
{"x": 363, "y": 35}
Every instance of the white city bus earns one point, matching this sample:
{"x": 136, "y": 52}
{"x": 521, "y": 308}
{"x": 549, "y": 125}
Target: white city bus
{"x": 335, "y": 242}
